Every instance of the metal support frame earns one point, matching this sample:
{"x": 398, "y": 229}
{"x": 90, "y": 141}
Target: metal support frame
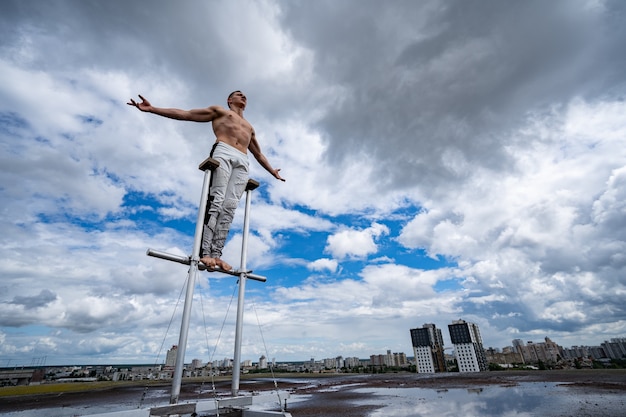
{"x": 208, "y": 166}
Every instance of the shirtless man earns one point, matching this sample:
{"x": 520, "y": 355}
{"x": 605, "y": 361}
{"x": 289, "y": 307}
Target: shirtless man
{"x": 235, "y": 136}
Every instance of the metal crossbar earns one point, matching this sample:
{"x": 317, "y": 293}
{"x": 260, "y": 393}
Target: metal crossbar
{"x": 186, "y": 260}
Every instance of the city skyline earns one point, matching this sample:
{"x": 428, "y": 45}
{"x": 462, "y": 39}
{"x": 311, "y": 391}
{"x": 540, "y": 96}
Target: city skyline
{"x": 41, "y": 361}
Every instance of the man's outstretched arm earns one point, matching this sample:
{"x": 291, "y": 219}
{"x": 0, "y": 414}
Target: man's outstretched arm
{"x": 255, "y": 150}
{"x": 196, "y": 115}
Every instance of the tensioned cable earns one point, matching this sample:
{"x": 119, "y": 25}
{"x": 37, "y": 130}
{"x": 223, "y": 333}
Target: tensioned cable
{"x": 169, "y": 324}
{"x": 282, "y": 410}
{"x": 219, "y": 336}
{"x": 156, "y": 360}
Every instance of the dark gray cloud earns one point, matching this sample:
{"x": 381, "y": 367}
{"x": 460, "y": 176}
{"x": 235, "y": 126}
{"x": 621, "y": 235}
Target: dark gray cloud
{"x": 186, "y": 41}
{"x": 44, "y": 298}
{"x": 424, "y": 85}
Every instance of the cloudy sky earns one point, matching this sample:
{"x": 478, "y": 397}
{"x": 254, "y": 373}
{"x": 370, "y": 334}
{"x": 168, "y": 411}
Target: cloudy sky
{"x": 444, "y": 160}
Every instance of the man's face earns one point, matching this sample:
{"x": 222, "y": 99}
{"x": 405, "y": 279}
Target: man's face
{"x": 238, "y": 99}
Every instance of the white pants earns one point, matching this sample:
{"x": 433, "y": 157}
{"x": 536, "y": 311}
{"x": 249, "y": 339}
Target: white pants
{"x": 228, "y": 182}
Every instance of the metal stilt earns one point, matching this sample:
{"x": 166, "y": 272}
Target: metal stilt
{"x": 242, "y": 288}
{"x": 208, "y": 166}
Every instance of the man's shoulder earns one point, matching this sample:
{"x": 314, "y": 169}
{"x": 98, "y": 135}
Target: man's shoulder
{"x": 218, "y": 109}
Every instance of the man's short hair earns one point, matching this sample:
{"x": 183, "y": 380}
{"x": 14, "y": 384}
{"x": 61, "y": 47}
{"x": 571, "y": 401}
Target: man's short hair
{"x": 230, "y": 95}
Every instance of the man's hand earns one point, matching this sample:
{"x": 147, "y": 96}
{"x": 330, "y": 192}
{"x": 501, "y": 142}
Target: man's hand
{"x": 143, "y": 106}
{"x": 277, "y": 175}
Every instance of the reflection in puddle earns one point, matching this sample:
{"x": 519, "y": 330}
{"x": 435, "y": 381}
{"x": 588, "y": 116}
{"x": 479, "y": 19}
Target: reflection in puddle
{"x": 525, "y": 399}
{"x": 336, "y": 388}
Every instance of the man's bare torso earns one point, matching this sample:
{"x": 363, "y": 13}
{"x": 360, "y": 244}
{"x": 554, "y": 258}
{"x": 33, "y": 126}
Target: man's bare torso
{"x": 233, "y": 130}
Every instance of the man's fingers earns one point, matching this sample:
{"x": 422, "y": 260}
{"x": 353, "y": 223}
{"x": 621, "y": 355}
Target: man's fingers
{"x": 142, "y": 99}
{"x": 277, "y": 174}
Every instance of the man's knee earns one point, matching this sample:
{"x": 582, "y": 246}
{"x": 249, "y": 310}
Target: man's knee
{"x": 230, "y": 204}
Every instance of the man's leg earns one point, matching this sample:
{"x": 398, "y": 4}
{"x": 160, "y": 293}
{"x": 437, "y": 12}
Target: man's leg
{"x": 234, "y": 190}
{"x": 217, "y": 192}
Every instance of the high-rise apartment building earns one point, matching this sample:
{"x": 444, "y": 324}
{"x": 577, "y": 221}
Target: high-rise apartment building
{"x": 170, "y": 359}
{"x": 616, "y": 348}
{"x": 468, "y": 346}
{"x": 352, "y": 362}
{"x": 547, "y": 351}
{"x": 428, "y": 349}
{"x": 397, "y": 359}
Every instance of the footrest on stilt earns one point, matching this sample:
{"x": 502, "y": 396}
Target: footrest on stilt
{"x": 186, "y": 260}
{"x": 209, "y": 163}
{"x": 233, "y": 272}
{"x": 203, "y": 267}
{"x": 252, "y": 185}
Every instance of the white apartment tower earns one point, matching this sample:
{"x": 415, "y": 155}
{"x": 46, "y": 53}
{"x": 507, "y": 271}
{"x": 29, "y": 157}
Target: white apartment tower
{"x": 170, "y": 359}
{"x": 428, "y": 349}
{"x": 468, "y": 346}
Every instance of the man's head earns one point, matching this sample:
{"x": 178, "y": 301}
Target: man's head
{"x": 236, "y": 98}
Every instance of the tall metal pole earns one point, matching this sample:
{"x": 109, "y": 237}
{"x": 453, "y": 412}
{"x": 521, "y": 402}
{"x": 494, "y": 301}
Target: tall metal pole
{"x": 242, "y": 288}
{"x": 207, "y": 166}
